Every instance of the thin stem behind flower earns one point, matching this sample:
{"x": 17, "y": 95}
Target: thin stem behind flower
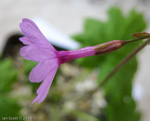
{"x": 124, "y": 61}
{"x": 133, "y": 40}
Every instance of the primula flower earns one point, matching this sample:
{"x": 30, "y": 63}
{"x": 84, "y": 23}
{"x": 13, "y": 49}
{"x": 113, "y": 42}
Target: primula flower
{"x": 40, "y": 50}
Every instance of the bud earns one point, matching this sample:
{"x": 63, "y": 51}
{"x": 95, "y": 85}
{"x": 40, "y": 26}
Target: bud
{"x": 141, "y": 34}
{"x": 108, "y": 47}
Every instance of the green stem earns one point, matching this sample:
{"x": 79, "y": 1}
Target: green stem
{"x": 124, "y": 61}
{"x": 141, "y": 38}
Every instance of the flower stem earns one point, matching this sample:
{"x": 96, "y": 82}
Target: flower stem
{"x": 124, "y": 61}
{"x": 128, "y": 41}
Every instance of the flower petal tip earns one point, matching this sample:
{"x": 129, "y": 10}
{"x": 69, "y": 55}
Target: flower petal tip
{"x": 34, "y": 100}
{"x": 25, "y": 20}
{"x": 38, "y": 100}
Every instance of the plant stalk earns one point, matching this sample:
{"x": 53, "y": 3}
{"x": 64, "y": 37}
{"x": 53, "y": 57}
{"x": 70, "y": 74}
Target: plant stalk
{"x": 125, "y": 60}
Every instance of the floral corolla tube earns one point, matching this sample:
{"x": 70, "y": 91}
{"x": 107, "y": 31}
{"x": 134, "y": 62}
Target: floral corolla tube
{"x": 37, "y": 48}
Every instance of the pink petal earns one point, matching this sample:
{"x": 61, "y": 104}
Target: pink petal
{"x": 44, "y": 87}
{"x": 33, "y": 34}
{"x": 30, "y": 21}
{"x": 37, "y": 53}
{"x": 25, "y": 41}
{"x": 41, "y": 71}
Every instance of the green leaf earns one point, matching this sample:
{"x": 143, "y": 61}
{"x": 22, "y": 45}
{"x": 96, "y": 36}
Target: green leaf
{"x": 9, "y": 107}
{"x": 8, "y": 75}
{"x": 119, "y": 88}
{"x": 82, "y": 116}
{"x": 29, "y": 65}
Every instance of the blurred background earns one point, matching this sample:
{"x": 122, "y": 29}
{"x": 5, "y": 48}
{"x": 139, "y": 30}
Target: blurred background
{"x": 74, "y": 94}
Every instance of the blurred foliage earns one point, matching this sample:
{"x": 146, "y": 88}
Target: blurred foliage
{"x": 8, "y": 76}
{"x": 28, "y": 66}
{"x": 120, "y": 104}
{"x": 83, "y": 116}
{"x": 9, "y": 107}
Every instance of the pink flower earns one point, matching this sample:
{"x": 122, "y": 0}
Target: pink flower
{"x": 39, "y": 49}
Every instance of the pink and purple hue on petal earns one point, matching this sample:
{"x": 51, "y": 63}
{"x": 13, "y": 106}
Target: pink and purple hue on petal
{"x": 40, "y": 50}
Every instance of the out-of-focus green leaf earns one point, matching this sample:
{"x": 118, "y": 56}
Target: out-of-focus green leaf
{"x": 9, "y": 107}
{"x": 29, "y": 65}
{"x": 117, "y": 27}
{"x": 120, "y": 104}
{"x": 83, "y": 116}
{"x": 8, "y": 75}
